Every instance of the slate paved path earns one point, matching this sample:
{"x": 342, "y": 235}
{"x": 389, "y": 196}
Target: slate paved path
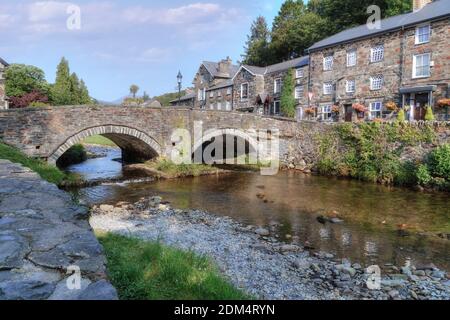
{"x": 42, "y": 234}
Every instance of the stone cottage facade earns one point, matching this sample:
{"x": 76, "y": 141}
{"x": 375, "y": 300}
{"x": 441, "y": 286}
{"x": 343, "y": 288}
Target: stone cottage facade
{"x": 258, "y": 89}
{"x": 3, "y": 99}
{"x": 359, "y": 72}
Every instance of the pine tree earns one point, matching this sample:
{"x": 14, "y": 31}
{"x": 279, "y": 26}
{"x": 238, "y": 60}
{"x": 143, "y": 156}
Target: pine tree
{"x": 61, "y": 90}
{"x": 287, "y": 100}
{"x": 84, "y": 93}
{"x": 257, "y": 45}
{"x": 75, "y": 90}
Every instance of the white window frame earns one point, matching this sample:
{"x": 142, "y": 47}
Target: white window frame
{"x": 350, "y": 86}
{"x": 328, "y": 62}
{"x": 377, "y": 80}
{"x": 274, "y": 108}
{"x": 328, "y": 85}
{"x": 242, "y": 91}
{"x": 211, "y": 106}
{"x": 419, "y": 34}
{"x": 211, "y": 94}
{"x": 276, "y": 87}
{"x": 350, "y": 53}
{"x": 299, "y": 73}
{"x": 377, "y": 110}
{"x": 299, "y": 91}
{"x": 229, "y": 91}
{"x": 415, "y": 58}
{"x": 377, "y": 53}
{"x": 325, "y": 113}
{"x": 219, "y": 105}
{"x": 219, "y": 93}
{"x": 228, "y": 105}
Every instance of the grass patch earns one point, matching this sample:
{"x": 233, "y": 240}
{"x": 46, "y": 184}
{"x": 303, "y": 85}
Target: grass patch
{"x": 47, "y": 172}
{"x": 143, "y": 270}
{"x": 99, "y": 140}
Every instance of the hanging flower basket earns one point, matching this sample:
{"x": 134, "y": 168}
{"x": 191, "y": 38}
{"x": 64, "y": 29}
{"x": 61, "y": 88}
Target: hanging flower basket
{"x": 358, "y": 107}
{"x": 392, "y": 106}
{"x": 310, "y": 111}
{"x": 443, "y": 103}
{"x": 335, "y": 109}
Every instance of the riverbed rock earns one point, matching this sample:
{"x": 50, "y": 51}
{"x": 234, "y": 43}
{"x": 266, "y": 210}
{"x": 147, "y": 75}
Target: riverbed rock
{"x": 289, "y": 248}
{"x": 106, "y": 207}
{"x": 262, "y": 232}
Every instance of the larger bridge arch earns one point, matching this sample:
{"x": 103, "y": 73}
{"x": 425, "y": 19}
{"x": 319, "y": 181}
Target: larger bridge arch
{"x": 135, "y": 144}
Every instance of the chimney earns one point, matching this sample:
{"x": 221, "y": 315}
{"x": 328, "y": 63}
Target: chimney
{"x": 224, "y": 68}
{"x": 419, "y": 4}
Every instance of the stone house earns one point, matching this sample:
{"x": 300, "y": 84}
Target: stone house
{"x": 406, "y": 61}
{"x": 3, "y": 98}
{"x": 258, "y": 89}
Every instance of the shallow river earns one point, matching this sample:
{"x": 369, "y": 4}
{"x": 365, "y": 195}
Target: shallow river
{"x": 372, "y": 214}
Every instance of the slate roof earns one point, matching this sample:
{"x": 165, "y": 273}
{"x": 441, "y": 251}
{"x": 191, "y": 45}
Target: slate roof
{"x": 213, "y": 68}
{"x": 185, "y": 97}
{"x": 294, "y": 63}
{"x": 3, "y": 62}
{"x": 433, "y": 11}
{"x": 223, "y": 84}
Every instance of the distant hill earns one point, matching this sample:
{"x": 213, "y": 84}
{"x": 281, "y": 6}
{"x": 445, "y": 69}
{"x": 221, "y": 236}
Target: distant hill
{"x": 167, "y": 97}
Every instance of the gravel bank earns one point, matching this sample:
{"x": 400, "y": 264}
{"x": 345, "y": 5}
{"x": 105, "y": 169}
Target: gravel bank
{"x": 261, "y": 265}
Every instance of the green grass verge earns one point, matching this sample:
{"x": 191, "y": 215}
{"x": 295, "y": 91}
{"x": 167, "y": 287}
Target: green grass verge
{"x": 99, "y": 140}
{"x": 47, "y": 172}
{"x": 143, "y": 270}
{"x": 173, "y": 170}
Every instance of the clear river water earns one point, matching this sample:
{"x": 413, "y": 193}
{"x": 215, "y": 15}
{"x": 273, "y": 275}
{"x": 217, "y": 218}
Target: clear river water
{"x": 372, "y": 214}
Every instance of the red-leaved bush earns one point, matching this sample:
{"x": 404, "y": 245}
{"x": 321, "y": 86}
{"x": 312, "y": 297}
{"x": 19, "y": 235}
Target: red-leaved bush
{"x": 28, "y": 98}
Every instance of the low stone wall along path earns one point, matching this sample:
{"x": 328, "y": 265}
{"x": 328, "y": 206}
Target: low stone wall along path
{"x": 44, "y": 240}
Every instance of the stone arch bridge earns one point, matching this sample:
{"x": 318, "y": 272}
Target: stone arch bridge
{"x": 140, "y": 132}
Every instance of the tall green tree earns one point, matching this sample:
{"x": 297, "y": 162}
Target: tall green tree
{"x": 287, "y": 99}
{"x": 75, "y": 89}
{"x": 257, "y": 46}
{"x": 84, "y": 93}
{"x": 61, "y": 93}
{"x": 134, "y": 90}
{"x": 23, "y": 79}
{"x": 284, "y": 26}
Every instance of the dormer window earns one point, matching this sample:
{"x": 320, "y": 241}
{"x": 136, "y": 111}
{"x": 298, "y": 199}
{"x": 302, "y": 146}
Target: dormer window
{"x": 328, "y": 63}
{"x": 423, "y": 34}
{"x": 377, "y": 53}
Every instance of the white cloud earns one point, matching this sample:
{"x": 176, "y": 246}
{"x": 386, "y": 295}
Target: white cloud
{"x": 47, "y": 10}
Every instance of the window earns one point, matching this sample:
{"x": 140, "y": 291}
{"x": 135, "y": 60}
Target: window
{"x": 328, "y": 88}
{"x": 377, "y": 53}
{"x": 219, "y": 105}
{"x": 276, "y": 107}
{"x": 228, "y": 106}
{"x": 211, "y": 106}
{"x": 277, "y": 86}
{"x": 350, "y": 86}
{"x": 328, "y": 63}
{"x": 375, "y": 109}
{"x": 244, "y": 91}
{"x": 351, "y": 58}
{"x": 421, "y": 65}
{"x": 299, "y": 92}
{"x": 211, "y": 94}
{"x": 200, "y": 95}
{"x": 423, "y": 34}
{"x": 325, "y": 113}
{"x": 219, "y": 93}
{"x": 299, "y": 73}
{"x": 376, "y": 82}
{"x": 228, "y": 91}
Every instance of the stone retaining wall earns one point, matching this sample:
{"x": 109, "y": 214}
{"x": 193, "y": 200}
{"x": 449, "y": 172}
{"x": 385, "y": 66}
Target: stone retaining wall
{"x": 42, "y": 235}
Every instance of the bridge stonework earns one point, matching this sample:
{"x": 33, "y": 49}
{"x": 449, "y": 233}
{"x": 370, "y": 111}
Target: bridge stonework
{"x": 142, "y": 132}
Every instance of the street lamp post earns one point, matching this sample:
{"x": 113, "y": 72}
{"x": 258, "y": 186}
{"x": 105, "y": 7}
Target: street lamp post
{"x": 179, "y": 80}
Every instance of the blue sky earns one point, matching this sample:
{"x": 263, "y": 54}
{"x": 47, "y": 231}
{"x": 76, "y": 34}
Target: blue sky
{"x": 128, "y": 41}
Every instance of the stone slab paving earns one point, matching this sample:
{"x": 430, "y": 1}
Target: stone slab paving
{"x": 44, "y": 236}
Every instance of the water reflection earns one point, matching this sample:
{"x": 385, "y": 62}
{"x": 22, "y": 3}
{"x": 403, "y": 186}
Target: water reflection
{"x": 371, "y": 212}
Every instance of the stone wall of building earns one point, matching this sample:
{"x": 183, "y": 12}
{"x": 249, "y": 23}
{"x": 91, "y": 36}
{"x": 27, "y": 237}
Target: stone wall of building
{"x": 3, "y": 102}
{"x": 241, "y": 78}
{"x": 217, "y": 99}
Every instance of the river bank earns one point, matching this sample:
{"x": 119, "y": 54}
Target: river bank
{"x": 261, "y": 265}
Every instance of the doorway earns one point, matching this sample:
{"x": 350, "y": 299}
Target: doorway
{"x": 348, "y": 113}
{"x": 421, "y": 100}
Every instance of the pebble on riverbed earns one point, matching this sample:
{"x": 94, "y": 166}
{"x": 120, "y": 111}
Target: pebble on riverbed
{"x": 261, "y": 265}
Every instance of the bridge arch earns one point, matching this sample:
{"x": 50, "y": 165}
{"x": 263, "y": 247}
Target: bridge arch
{"x": 135, "y": 144}
{"x": 251, "y": 143}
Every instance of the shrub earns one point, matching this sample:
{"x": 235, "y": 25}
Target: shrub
{"x": 401, "y": 115}
{"x": 423, "y": 175}
{"x": 74, "y": 155}
{"x": 439, "y": 162}
{"x": 429, "y": 116}
{"x": 27, "y": 99}
{"x": 406, "y": 174}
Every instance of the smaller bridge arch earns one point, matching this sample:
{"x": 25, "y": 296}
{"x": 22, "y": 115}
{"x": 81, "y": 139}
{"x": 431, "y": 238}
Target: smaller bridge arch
{"x": 135, "y": 144}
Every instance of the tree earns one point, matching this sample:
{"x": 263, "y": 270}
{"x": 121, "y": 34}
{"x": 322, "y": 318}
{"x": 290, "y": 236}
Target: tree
{"x": 287, "y": 100}
{"x": 284, "y": 26}
{"x": 84, "y": 93}
{"x": 145, "y": 96}
{"x": 61, "y": 93}
{"x": 134, "y": 90}
{"x": 27, "y": 99}
{"x": 257, "y": 45}
{"x": 23, "y": 79}
{"x": 75, "y": 89}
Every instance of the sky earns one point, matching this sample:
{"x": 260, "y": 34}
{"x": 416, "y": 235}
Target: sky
{"x": 113, "y": 44}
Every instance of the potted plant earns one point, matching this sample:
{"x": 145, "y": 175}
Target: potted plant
{"x": 335, "y": 110}
{"x": 310, "y": 111}
{"x": 444, "y": 103}
{"x": 391, "y": 106}
{"x": 360, "y": 109}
